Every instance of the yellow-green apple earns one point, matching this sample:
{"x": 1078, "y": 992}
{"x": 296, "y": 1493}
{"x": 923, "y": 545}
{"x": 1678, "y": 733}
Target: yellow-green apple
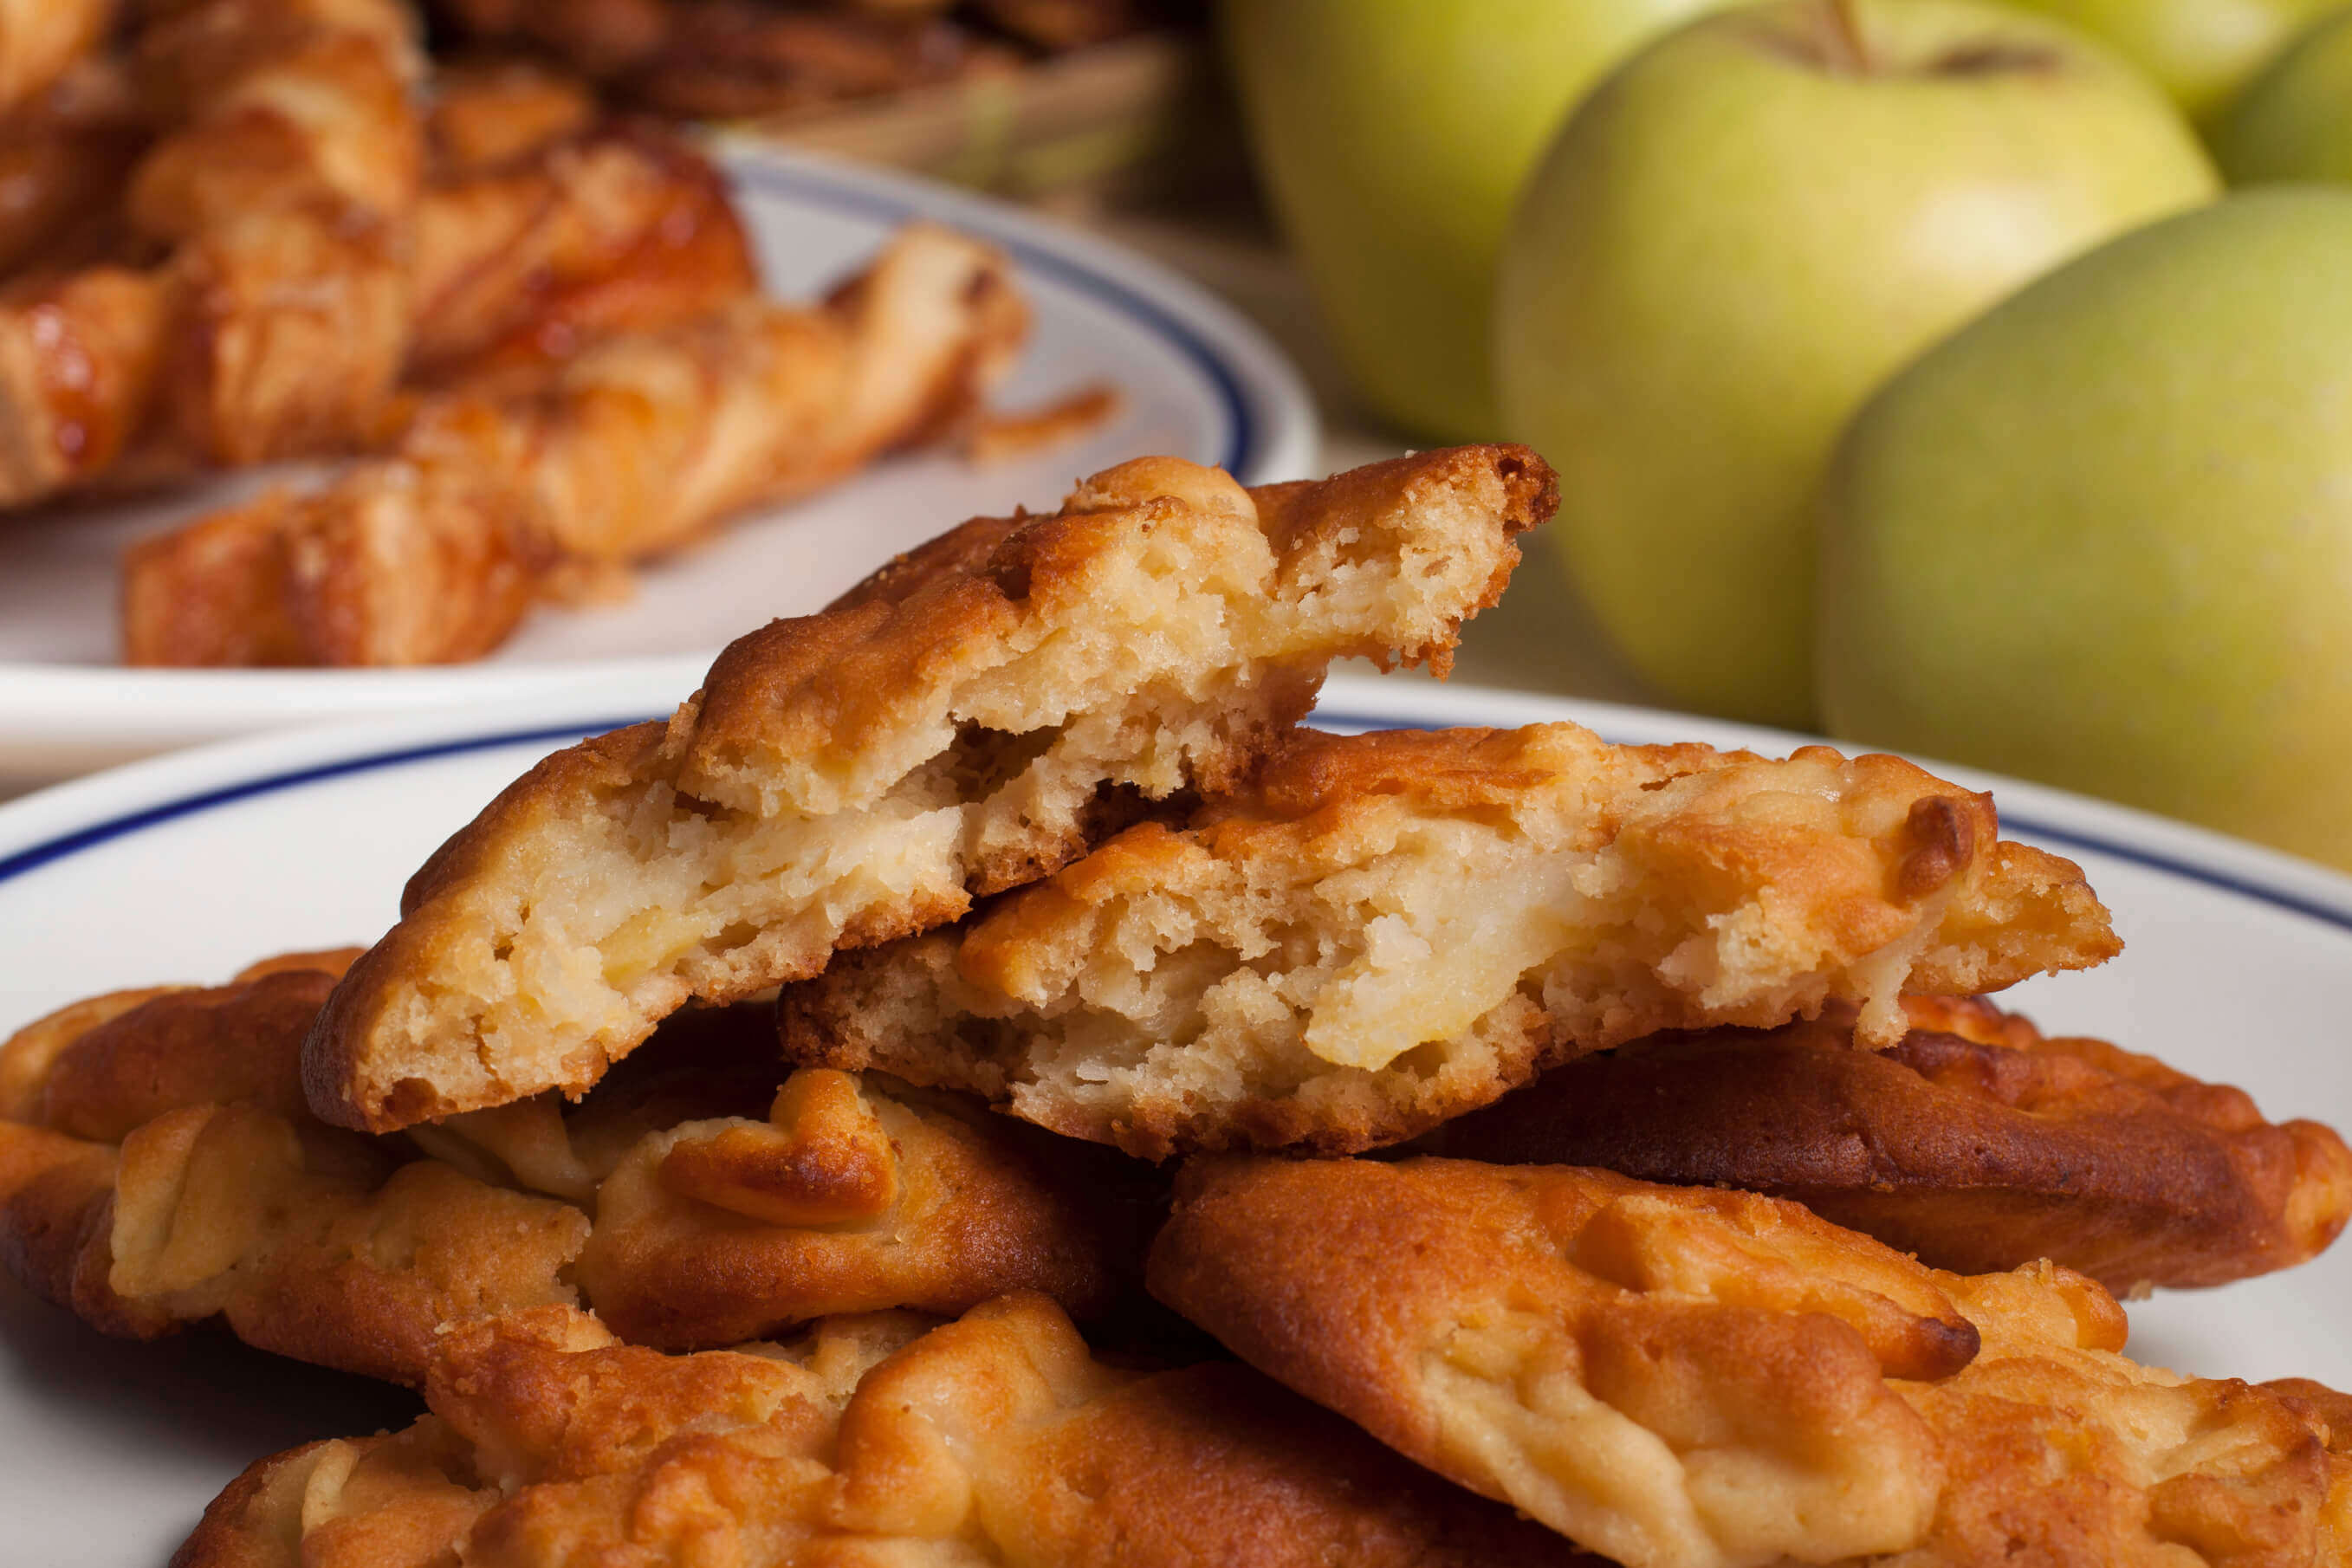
{"x": 2103, "y": 536}
{"x": 2295, "y": 121}
{"x": 1392, "y": 136}
{"x": 2200, "y": 51}
{"x": 1736, "y": 236}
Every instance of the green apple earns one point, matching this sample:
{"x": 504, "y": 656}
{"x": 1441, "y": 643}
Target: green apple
{"x": 2200, "y": 51}
{"x": 2102, "y": 537}
{"x": 2295, "y": 121}
{"x": 1737, "y": 237}
{"x": 1392, "y": 136}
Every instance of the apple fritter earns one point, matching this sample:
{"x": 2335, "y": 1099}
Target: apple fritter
{"x": 2058, "y": 1450}
{"x": 289, "y": 327}
{"x": 158, "y": 1168}
{"x": 541, "y": 253}
{"x": 64, "y": 155}
{"x": 1388, "y": 930}
{"x": 283, "y": 179}
{"x": 399, "y": 563}
{"x": 1667, "y": 1376}
{"x": 997, "y": 1438}
{"x": 968, "y": 719}
{"x": 1975, "y": 1142}
{"x": 727, "y": 1209}
{"x": 1689, "y": 1377}
{"x": 288, "y": 103}
{"x": 721, "y": 1229}
{"x": 40, "y": 40}
{"x": 491, "y": 112}
{"x": 640, "y": 443}
{"x": 79, "y": 357}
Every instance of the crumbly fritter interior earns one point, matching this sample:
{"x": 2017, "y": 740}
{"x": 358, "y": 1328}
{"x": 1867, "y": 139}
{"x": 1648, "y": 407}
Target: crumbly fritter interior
{"x": 1976, "y": 1144}
{"x": 995, "y": 1439}
{"x": 1389, "y": 929}
{"x": 967, "y": 721}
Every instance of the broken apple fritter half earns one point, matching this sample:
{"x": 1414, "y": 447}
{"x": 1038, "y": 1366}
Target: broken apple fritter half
{"x": 971, "y": 718}
{"x": 1384, "y": 931}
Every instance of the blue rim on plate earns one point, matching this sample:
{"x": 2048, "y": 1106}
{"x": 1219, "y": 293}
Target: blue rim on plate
{"x": 1356, "y": 713}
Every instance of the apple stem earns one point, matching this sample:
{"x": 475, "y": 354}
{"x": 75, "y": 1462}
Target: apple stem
{"x": 1845, "y": 28}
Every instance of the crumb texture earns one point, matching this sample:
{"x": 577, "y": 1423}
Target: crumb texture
{"x": 1388, "y": 930}
{"x": 970, "y": 719}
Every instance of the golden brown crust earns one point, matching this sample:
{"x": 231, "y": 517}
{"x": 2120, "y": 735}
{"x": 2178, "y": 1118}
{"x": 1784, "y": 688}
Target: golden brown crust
{"x": 238, "y": 1044}
{"x": 2153, "y": 1468}
{"x": 79, "y": 359}
{"x": 1666, "y": 1376}
{"x": 994, "y": 1439}
{"x": 287, "y": 183}
{"x": 492, "y": 113}
{"x": 2334, "y": 1410}
{"x": 158, "y": 1169}
{"x": 65, "y": 154}
{"x": 1382, "y": 932}
{"x": 1316, "y": 524}
{"x": 1976, "y": 1144}
{"x": 277, "y": 104}
{"x": 845, "y": 1199}
{"x": 40, "y": 40}
{"x": 959, "y": 723}
{"x": 614, "y": 228}
{"x": 281, "y": 187}
{"x": 1439, "y": 1303}
{"x": 638, "y": 444}
{"x": 291, "y": 327}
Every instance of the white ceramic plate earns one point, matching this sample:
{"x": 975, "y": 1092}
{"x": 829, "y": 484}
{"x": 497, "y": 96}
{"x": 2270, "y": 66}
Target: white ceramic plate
{"x": 186, "y": 868}
{"x": 1196, "y": 379}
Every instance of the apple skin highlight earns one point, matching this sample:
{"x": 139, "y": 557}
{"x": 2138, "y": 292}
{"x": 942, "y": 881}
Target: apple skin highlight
{"x": 2102, "y": 537}
{"x": 1736, "y": 238}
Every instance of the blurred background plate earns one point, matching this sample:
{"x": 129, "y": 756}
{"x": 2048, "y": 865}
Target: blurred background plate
{"x": 186, "y": 868}
{"x": 1195, "y": 379}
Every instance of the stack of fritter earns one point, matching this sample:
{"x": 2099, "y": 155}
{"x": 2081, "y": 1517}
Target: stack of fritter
{"x": 240, "y": 233}
{"x": 1055, "y": 888}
